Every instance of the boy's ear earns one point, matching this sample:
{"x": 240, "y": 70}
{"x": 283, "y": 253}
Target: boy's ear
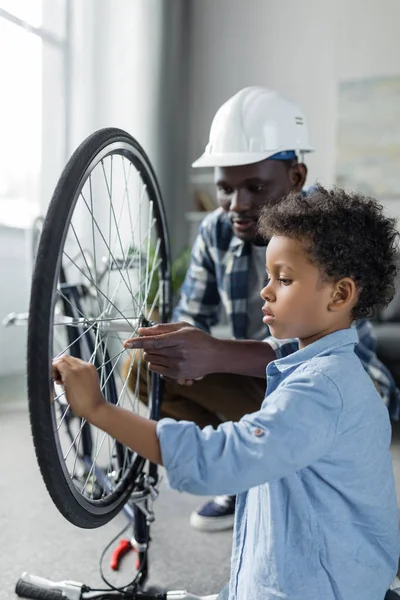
{"x": 344, "y": 295}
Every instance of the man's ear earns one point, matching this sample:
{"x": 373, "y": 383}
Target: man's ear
{"x": 344, "y": 295}
{"x": 298, "y": 175}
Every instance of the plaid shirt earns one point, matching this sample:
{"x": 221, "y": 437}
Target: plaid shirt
{"x": 218, "y": 275}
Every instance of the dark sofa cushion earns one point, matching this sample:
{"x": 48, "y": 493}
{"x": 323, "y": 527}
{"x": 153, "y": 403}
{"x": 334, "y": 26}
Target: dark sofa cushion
{"x": 388, "y": 341}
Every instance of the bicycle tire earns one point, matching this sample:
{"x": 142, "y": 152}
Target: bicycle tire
{"x": 72, "y": 505}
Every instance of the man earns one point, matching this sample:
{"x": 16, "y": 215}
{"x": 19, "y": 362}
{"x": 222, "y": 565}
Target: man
{"x": 256, "y": 140}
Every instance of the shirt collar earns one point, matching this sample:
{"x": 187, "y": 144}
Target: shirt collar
{"x": 325, "y": 345}
{"x": 238, "y": 247}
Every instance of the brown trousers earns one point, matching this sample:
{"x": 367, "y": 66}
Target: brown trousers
{"x": 210, "y": 401}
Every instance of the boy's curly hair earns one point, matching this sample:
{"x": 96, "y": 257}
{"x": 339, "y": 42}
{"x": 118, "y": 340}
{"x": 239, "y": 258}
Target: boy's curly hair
{"x": 345, "y": 235}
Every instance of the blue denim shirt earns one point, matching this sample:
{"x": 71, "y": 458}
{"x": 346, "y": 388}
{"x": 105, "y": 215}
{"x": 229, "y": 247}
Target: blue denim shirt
{"x": 316, "y": 514}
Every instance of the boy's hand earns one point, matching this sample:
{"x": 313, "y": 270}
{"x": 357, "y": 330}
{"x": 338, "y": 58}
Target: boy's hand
{"x": 81, "y": 385}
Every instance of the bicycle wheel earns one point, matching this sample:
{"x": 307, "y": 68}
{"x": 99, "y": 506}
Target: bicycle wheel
{"x": 102, "y": 270}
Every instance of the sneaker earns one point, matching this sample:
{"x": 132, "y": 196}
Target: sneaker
{"x": 216, "y": 515}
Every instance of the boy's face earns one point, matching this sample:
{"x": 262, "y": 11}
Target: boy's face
{"x": 296, "y": 299}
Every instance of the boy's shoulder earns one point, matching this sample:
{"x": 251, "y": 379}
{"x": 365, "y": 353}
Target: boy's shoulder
{"x": 346, "y": 374}
{"x": 341, "y": 368}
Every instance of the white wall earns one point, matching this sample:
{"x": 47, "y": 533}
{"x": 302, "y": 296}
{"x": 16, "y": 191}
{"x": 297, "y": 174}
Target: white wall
{"x": 15, "y": 275}
{"x": 125, "y": 71}
{"x": 302, "y": 49}
{"x": 115, "y": 68}
{"x": 367, "y": 38}
{"x": 129, "y": 70}
{"x": 114, "y": 82}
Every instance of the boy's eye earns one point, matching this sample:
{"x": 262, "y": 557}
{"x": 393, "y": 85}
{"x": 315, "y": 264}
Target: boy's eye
{"x": 285, "y": 281}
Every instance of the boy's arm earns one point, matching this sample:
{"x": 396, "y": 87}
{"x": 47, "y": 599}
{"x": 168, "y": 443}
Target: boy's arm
{"x": 295, "y": 427}
{"x": 133, "y": 431}
{"x": 82, "y": 390}
{"x": 265, "y": 446}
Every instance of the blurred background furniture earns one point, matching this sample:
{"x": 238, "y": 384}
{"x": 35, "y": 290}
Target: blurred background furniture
{"x": 386, "y": 325}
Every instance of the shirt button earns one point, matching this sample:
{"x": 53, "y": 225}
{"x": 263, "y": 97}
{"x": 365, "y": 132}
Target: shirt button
{"x": 258, "y": 432}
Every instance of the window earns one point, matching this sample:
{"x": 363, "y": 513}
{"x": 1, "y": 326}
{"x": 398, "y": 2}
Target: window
{"x": 33, "y": 108}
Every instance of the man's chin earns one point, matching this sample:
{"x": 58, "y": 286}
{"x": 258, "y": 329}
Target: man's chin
{"x": 248, "y": 235}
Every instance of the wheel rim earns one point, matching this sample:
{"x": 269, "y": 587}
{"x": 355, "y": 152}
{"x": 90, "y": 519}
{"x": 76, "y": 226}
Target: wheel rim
{"x": 111, "y": 275}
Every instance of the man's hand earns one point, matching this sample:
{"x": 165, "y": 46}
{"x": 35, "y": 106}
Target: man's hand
{"x": 81, "y": 385}
{"x": 178, "y": 351}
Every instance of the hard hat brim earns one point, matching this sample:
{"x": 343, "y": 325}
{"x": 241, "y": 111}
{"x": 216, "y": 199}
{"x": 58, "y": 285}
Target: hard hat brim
{"x": 233, "y": 159}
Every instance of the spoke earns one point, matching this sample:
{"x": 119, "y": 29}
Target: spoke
{"x": 123, "y": 390}
{"x": 84, "y": 257}
{"x": 156, "y": 299}
{"x": 101, "y": 350}
{"x": 144, "y": 190}
{"x": 101, "y": 387}
{"x": 70, "y": 322}
{"x": 107, "y": 299}
{"x": 153, "y": 269}
{"x": 150, "y": 227}
{"x": 126, "y": 190}
{"x": 93, "y": 238}
{"x": 76, "y": 441}
{"x": 155, "y": 266}
{"x": 109, "y": 232}
{"x": 75, "y": 459}
{"x": 140, "y": 245}
{"x": 67, "y": 409}
{"x": 109, "y": 190}
{"x": 105, "y": 434}
{"x": 90, "y": 359}
{"x": 75, "y": 447}
{"x": 141, "y": 285}
{"x": 74, "y": 342}
{"x": 73, "y": 306}
{"x": 109, "y": 249}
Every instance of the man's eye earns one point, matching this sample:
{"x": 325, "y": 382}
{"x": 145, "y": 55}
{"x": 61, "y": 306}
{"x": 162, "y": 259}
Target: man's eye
{"x": 257, "y": 189}
{"x": 285, "y": 281}
{"x": 224, "y": 189}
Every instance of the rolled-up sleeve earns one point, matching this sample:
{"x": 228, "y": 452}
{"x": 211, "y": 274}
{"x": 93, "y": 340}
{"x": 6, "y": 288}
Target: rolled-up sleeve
{"x": 295, "y": 427}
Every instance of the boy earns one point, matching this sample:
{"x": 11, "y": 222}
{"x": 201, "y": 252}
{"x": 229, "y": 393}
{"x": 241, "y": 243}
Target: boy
{"x": 316, "y": 512}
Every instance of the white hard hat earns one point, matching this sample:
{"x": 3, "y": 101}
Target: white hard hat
{"x": 255, "y": 124}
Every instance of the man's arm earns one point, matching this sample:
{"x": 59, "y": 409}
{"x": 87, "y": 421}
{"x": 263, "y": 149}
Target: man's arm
{"x": 180, "y": 351}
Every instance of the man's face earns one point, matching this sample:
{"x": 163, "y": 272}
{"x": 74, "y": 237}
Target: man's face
{"x": 242, "y": 191}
